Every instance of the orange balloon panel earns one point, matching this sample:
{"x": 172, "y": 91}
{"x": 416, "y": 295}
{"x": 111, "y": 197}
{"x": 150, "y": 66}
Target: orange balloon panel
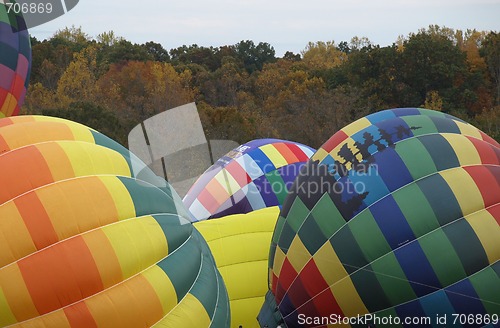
{"x": 86, "y": 242}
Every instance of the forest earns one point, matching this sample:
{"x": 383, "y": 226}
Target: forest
{"x": 244, "y": 91}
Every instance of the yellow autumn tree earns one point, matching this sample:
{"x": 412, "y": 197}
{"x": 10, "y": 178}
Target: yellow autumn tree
{"x": 323, "y": 55}
{"x": 167, "y": 88}
{"x": 78, "y": 82}
{"x": 139, "y": 90}
{"x": 470, "y": 44}
{"x": 40, "y": 98}
{"x": 433, "y": 101}
{"x": 294, "y": 102}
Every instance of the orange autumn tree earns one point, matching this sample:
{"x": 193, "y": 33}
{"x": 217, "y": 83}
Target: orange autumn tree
{"x": 138, "y": 90}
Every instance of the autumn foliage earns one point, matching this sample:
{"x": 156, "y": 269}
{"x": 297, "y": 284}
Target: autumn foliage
{"x": 244, "y": 91}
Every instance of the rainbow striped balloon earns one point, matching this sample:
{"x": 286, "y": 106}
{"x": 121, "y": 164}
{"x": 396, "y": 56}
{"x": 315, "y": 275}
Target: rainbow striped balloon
{"x": 252, "y": 176}
{"x": 397, "y": 216}
{"x": 85, "y": 243}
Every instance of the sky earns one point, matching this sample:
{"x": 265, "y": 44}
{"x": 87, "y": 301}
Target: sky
{"x": 286, "y": 25}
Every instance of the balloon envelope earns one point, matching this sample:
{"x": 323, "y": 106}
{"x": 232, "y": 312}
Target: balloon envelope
{"x": 22, "y": 131}
{"x": 15, "y": 61}
{"x": 395, "y": 215}
{"x": 240, "y": 246}
{"x": 254, "y": 175}
{"x": 85, "y": 243}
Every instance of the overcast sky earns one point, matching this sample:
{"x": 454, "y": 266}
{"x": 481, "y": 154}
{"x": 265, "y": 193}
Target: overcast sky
{"x": 286, "y": 25}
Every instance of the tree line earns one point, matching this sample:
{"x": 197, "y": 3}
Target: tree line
{"x": 244, "y": 91}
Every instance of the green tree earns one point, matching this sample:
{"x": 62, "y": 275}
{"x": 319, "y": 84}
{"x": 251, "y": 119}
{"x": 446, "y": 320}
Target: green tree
{"x": 194, "y": 54}
{"x": 254, "y": 56}
{"x": 50, "y": 58}
{"x": 489, "y": 122}
{"x": 432, "y": 62}
{"x": 291, "y": 56}
{"x": 94, "y": 116}
{"x": 157, "y": 51}
{"x": 123, "y": 51}
{"x": 491, "y": 53}
{"x": 376, "y": 72}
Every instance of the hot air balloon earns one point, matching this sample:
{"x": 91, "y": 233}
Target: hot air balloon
{"x": 396, "y": 216}
{"x": 22, "y": 131}
{"x": 15, "y": 61}
{"x": 254, "y": 175}
{"x": 85, "y": 243}
{"x": 240, "y": 246}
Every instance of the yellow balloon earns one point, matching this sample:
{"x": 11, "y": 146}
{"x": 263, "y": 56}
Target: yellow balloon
{"x": 240, "y": 246}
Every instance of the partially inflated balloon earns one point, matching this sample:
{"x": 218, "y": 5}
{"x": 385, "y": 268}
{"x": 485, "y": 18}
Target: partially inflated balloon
{"x": 240, "y": 246}
{"x": 85, "y": 243}
{"x": 15, "y": 60}
{"x": 255, "y": 175}
{"x": 396, "y": 215}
